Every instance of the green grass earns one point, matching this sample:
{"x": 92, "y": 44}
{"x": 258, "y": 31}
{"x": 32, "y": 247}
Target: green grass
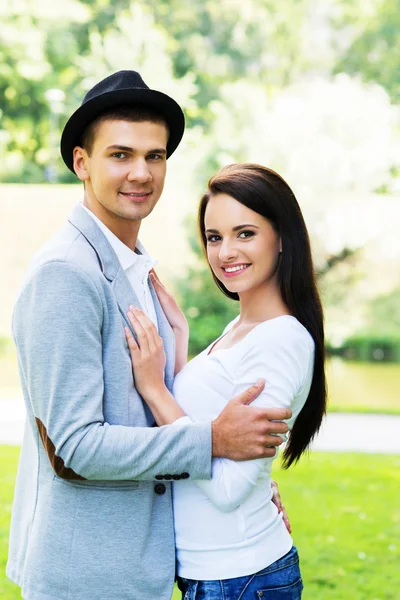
{"x": 345, "y": 514}
{"x": 8, "y": 467}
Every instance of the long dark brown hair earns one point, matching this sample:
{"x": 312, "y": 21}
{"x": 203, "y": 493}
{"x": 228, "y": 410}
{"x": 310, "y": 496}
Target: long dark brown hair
{"x": 267, "y": 193}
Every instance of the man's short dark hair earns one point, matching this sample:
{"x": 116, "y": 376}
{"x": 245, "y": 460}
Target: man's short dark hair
{"x": 134, "y": 113}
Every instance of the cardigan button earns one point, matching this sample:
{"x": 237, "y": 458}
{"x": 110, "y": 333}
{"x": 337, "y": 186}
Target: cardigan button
{"x": 160, "y": 489}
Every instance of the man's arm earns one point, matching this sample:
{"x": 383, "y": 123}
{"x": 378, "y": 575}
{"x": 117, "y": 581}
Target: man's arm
{"x": 57, "y": 326}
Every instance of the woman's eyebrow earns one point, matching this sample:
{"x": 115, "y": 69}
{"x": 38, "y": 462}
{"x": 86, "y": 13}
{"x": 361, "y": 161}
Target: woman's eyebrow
{"x": 245, "y": 225}
{"x": 234, "y": 228}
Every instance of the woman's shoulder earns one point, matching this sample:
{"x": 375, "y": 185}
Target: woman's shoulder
{"x": 284, "y": 331}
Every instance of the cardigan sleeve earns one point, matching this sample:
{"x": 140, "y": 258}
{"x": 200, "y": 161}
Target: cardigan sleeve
{"x": 279, "y": 353}
{"x": 57, "y": 327}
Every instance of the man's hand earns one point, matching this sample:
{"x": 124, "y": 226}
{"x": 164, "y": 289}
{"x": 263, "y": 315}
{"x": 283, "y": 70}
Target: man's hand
{"x": 276, "y": 499}
{"x": 243, "y": 432}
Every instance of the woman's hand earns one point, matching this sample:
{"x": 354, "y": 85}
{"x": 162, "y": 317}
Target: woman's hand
{"x": 176, "y": 319}
{"x": 147, "y": 354}
{"x": 172, "y": 310}
{"x": 148, "y": 362}
{"x": 276, "y": 499}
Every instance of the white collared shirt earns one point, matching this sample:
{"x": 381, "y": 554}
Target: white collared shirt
{"x": 136, "y": 265}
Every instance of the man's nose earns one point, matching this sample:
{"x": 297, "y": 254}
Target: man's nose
{"x": 139, "y": 171}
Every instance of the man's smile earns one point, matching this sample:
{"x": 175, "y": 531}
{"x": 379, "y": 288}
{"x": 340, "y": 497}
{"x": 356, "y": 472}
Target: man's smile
{"x": 136, "y": 196}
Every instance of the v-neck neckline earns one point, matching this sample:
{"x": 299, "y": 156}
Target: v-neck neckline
{"x": 210, "y": 349}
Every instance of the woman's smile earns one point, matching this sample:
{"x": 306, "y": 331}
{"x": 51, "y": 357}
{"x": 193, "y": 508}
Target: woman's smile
{"x": 242, "y": 246}
{"x": 235, "y": 269}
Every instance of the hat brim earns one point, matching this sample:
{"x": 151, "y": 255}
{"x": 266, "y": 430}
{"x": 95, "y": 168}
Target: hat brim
{"x": 90, "y": 110}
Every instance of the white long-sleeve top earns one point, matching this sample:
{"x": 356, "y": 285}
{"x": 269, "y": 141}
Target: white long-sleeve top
{"x": 228, "y": 526}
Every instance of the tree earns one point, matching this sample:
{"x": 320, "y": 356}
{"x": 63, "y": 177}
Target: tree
{"x": 373, "y": 51}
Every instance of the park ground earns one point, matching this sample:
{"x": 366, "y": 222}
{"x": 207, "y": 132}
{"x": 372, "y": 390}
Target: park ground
{"x": 345, "y": 515}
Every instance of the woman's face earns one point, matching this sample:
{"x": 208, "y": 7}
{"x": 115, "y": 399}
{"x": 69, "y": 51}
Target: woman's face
{"x": 242, "y": 246}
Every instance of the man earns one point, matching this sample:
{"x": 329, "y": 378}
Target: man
{"x": 92, "y": 516}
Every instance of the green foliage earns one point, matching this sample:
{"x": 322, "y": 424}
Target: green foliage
{"x": 371, "y": 347}
{"x": 384, "y": 314}
{"x": 374, "y": 53}
{"x": 45, "y": 45}
{"x": 379, "y": 340}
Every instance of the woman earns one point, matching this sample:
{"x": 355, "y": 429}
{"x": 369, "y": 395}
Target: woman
{"x": 231, "y": 541}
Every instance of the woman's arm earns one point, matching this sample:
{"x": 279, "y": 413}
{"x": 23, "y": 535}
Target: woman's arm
{"x": 282, "y": 360}
{"x": 149, "y": 374}
{"x": 176, "y": 319}
{"x": 239, "y": 432}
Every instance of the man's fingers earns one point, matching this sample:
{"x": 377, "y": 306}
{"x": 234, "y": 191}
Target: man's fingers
{"x": 273, "y": 440}
{"x": 276, "y": 414}
{"x": 268, "y": 453}
{"x": 277, "y": 427}
{"x": 251, "y": 393}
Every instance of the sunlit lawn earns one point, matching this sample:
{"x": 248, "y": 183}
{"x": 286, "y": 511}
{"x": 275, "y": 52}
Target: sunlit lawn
{"x": 345, "y": 514}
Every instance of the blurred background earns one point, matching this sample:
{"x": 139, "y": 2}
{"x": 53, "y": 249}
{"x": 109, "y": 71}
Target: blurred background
{"x": 310, "y": 88}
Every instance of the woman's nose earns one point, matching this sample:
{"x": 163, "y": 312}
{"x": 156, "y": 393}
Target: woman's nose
{"x": 227, "y": 251}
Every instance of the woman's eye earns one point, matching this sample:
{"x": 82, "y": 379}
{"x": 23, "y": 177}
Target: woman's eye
{"x": 246, "y": 234}
{"x": 213, "y": 238}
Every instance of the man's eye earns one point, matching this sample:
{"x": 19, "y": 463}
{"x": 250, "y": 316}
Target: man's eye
{"x": 118, "y": 155}
{"x": 213, "y": 238}
{"x": 155, "y": 156}
{"x": 246, "y": 234}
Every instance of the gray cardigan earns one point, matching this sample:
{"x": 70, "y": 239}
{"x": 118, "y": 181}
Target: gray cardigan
{"x": 92, "y": 513}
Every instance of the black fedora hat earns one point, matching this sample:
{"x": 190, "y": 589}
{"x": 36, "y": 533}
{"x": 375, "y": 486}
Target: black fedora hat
{"x": 121, "y": 88}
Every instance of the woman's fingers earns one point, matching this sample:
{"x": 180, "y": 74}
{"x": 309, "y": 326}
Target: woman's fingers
{"x": 159, "y": 288}
{"x": 141, "y": 334}
{"x": 154, "y": 276}
{"x": 132, "y": 345}
{"x": 148, "y": 337}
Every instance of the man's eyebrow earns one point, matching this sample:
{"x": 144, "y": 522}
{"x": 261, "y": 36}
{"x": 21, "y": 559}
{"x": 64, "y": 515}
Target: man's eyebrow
{"x": 237, "y": 228}
{"x": 129, "y": 149}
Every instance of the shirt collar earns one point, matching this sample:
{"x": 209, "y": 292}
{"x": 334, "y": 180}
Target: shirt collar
{"x": 125, "y": 255}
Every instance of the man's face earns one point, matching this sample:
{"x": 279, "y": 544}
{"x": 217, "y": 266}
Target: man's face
{"x": 124, "y": 174}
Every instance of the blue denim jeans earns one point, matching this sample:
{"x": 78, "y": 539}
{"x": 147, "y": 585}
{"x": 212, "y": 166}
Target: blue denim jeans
{"x": 279, "y": 581}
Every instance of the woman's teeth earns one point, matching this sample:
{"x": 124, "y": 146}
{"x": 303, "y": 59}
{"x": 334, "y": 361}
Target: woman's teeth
{"x": 233, "y": 269}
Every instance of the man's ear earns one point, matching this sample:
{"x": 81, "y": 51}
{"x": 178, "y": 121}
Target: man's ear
{"x": 80, "y": 163}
